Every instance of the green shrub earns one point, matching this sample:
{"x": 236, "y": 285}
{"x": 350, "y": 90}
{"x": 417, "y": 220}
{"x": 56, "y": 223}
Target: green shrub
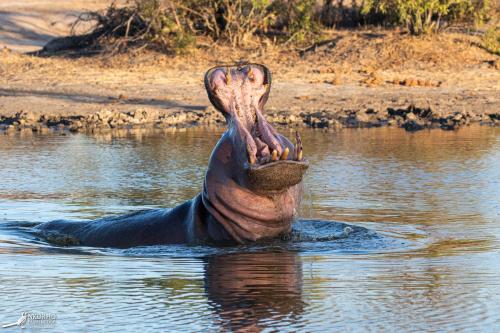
{"x": 472, "y": 11}
{"x": 425, "y": 16}
{"x": 296, "y": 17}
{"x": 340, "y": 13}
{"x": 237, "y": 21}
{"x": 144, "y": 23}
{"x": 176, "y": 25}
{"x": 491, "y": 40}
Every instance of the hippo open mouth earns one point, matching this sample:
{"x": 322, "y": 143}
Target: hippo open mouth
{"x": 272, "y": 162}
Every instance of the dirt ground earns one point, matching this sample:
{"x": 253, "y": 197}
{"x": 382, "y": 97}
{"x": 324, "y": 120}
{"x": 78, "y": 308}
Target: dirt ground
{"x": 357, "y": 78}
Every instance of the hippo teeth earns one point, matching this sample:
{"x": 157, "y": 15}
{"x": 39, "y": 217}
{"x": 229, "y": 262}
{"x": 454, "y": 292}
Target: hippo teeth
{"x": 260, "y": 152}
{"x": 251, "y": 156}
{"x": 284, "y": 156}
{"x": 298, "y": 147}
{"x": 275, "y": 155}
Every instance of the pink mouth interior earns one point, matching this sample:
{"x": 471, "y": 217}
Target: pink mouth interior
{"x": 241, "y": 93}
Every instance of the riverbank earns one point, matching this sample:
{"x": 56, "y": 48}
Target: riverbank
{"x": 355, "y": 78}
{"x": 67, "y": 94}
{"x": 151, "y": 90}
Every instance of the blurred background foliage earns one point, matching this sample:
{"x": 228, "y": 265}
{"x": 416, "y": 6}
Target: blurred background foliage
{"x": 178, "y": 25}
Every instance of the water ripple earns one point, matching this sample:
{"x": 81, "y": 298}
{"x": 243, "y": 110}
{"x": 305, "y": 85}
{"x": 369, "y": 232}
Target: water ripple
{"x": 421, "y": 253}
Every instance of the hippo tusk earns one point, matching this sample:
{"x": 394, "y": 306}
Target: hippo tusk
{"x": 251, "y": 156}
{"x": 298, "y": 147}
{"x": 275, "y": 155}
{"x": 284, "y": 156}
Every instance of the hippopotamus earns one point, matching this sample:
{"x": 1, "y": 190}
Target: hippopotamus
{"x": 251, "y": 191}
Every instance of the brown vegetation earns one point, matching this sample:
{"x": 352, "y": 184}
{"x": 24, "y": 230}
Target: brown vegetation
{"x": 176, "y": 26}
{"x": 348, "y": 78}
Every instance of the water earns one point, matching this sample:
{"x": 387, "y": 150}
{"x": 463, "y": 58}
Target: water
{"x": 431, "y": 201}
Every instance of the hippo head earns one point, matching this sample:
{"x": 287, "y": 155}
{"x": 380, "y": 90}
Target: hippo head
{"x": 253, "y": 183}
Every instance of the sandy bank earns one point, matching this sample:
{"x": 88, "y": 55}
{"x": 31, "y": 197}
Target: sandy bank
{"x": 359, "y": 79}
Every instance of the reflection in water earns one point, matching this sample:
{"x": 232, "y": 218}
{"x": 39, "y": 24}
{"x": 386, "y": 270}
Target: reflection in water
{"x": 434, "y": 194}
{"x": 249, "y": 289}
{"x": 430, "y": 176}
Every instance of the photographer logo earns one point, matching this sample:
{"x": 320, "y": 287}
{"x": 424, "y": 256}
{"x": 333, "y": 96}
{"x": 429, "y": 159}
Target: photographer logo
{"x": 31, "y": 319}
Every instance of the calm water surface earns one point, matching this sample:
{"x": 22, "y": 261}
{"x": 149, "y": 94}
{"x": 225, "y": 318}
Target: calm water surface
{"x": 432, "y": 197}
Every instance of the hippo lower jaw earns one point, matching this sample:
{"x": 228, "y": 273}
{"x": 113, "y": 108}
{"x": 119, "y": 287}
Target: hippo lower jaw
{"x": 275, "y": 177}
{"x": 275, "y": 171}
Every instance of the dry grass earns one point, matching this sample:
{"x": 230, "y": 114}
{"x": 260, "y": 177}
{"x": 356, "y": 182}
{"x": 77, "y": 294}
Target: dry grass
{"x": 375, "y": 50}
{"x": 379, "y": 56}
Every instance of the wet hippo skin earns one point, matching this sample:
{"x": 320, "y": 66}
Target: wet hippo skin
{"x": 252, "y": 187}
